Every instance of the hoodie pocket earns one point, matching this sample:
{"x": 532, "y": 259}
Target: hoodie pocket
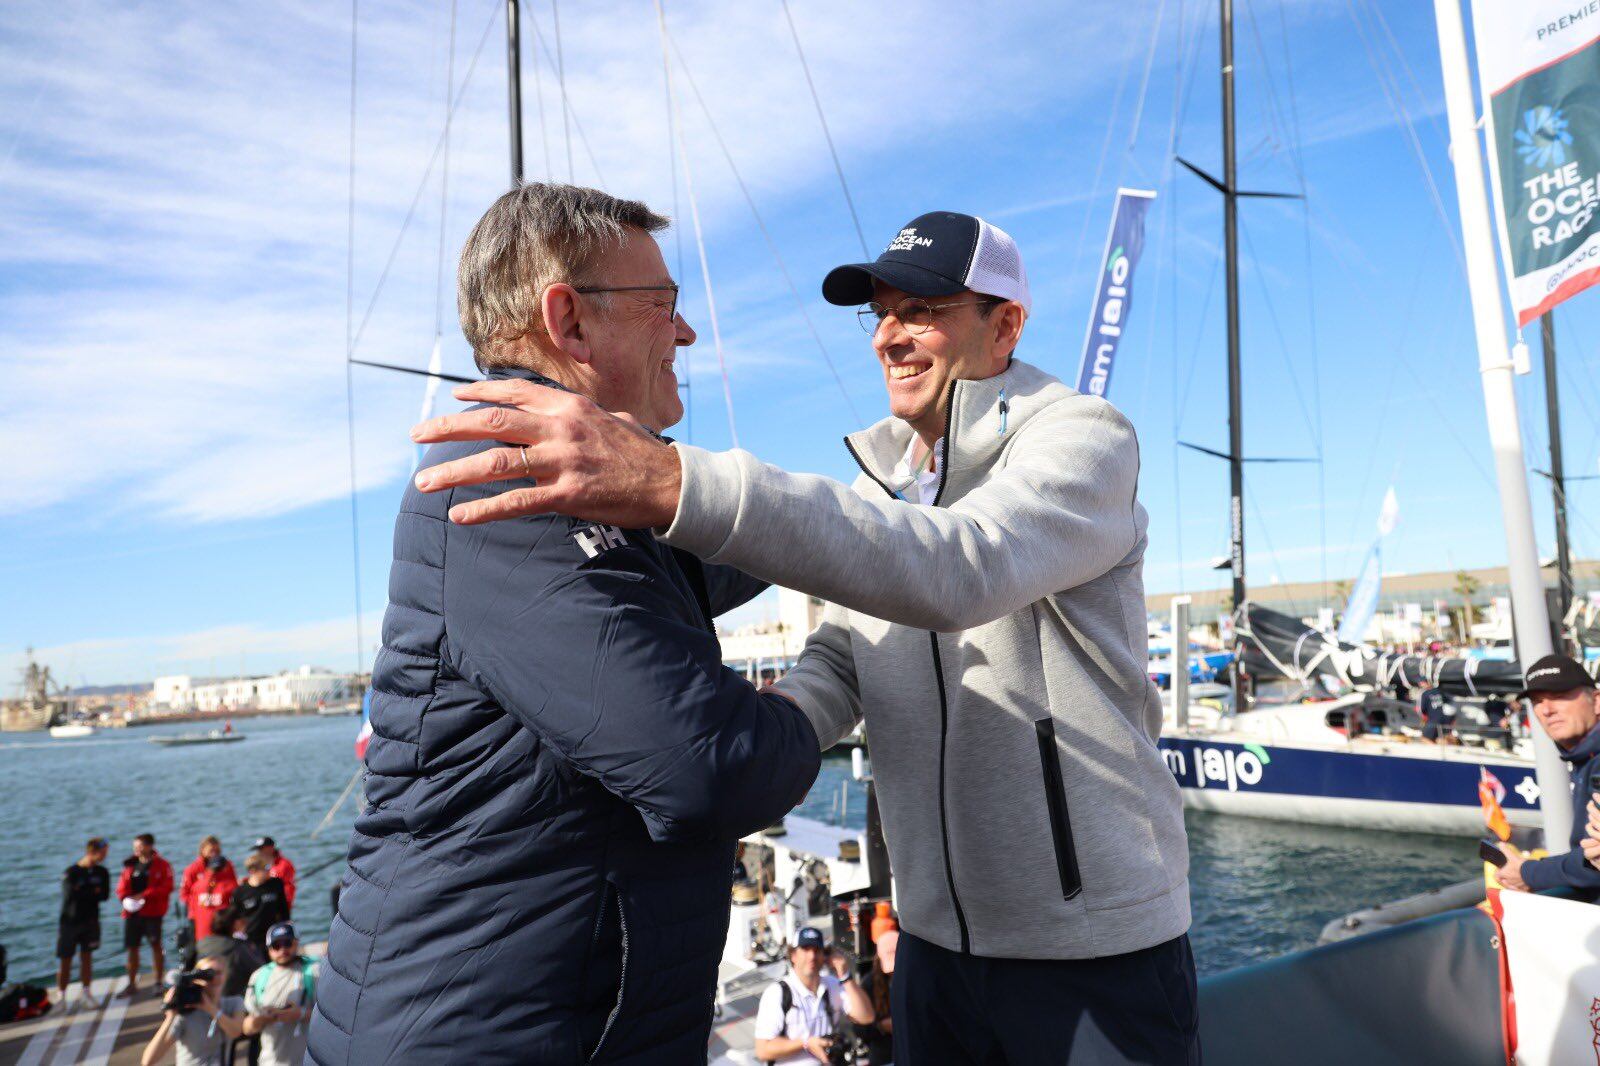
{"x": 611, "y": 903}
{"x": 1055, "y": 796}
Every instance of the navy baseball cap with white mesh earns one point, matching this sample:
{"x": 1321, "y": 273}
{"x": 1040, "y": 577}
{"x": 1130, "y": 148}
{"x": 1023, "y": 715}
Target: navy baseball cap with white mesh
{"x": 940, "y": 253}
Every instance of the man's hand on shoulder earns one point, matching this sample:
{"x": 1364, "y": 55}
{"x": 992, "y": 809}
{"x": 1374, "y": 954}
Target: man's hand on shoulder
{"x": 585, "y": 462}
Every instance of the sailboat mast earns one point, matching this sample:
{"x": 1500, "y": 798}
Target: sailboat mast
{"x": 1528, "y": 611}
{"x": 514, "y": 88}
{"x": 1558, "y": 477}
{"x": 1230, "y": 216}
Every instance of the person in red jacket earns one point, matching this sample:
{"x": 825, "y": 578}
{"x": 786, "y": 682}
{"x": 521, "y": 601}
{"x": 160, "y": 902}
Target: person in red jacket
{"x": 210, "y": 892}
{"x": 144, "y": 888}
{"x": 278, "y": 865}
{"x": 210, "y": 847}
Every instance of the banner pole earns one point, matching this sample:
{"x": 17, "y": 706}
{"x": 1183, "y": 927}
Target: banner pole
{"x": 1528, "y": 611}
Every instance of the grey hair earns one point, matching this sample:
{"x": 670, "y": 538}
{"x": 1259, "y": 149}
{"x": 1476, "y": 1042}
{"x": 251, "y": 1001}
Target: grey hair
{"x": 532, "y": 237}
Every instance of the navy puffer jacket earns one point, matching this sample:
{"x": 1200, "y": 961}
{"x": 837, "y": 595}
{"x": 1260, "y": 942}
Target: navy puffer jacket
{"x": 559, "y": 769}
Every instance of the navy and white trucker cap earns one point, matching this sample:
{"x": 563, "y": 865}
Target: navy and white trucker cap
{"x": 940, "y": 253}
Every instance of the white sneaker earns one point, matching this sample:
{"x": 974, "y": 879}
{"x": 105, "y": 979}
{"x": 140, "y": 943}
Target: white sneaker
{"x": 87, "y": 999}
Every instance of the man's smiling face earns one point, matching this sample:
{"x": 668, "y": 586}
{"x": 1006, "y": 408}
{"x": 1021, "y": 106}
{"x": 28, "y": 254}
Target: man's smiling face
{"x": 918, "y": 367}
{"x": 637, "y": 337}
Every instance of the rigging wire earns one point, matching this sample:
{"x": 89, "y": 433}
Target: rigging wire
{"x": 1172, "y": 238}
{"x": 1311, "y": 307}
{"x": 699, "y": 235}
{"x": 538, "y": 92}
{"x": 766, "y": 234}
{"x": 1099, "y": 170}
{"x": 422, "y": 184}
{"x": 1277, "y": 327}
{"x": 349, "y": 346}
{"x": 444, "y": 181}
{"x": 1144, "y": 82}
{"x": 1385, "y": 78}
{"x": 561, "y": 79}
{"x": 838, "y": 168}
{"x": 677, "y": 229}
{"x": 577, "y": 122}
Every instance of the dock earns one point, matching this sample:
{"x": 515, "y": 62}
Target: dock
{"x": 112, "y": 1033}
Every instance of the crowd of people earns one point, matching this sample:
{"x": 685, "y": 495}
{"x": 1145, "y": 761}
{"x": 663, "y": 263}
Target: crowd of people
{"x": 242, "y": 976}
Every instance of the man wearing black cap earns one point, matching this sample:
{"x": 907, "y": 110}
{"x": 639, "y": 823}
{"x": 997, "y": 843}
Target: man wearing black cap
{"x": 986, "y": 606}
{"x": 279, "y": 999}
{"x": 1567, "y": 704}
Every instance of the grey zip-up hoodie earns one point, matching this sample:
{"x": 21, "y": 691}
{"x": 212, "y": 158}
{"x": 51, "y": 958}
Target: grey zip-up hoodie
{"x": 996, "y": 644}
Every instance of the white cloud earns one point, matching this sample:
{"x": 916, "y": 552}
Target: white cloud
{"x": 172, "y": 249}
{"x": 220, "y": 649}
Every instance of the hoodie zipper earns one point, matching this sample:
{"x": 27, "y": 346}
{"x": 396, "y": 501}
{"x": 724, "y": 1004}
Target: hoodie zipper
{"x": 938, "y": 674}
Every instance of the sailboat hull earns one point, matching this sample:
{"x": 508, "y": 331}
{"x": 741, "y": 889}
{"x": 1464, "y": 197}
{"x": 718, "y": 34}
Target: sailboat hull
{"x": 1422, "y": 790}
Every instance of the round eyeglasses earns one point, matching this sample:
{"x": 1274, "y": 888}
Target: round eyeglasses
{"x": 915, "y": 314}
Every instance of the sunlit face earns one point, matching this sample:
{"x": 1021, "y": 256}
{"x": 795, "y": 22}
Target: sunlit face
{"x": 918, "y": 368}
{"x": 209, "y": 851}
{"x": 635, "y": 337}
{"x": 806, "y": 962}
{"x": 141, "y": 850}
{"x": 1567, "y": 716}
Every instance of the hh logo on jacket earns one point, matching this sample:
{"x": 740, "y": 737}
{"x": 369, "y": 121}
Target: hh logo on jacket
{"x": 597, "y": 539}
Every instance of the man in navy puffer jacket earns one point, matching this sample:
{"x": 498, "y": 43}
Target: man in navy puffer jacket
{"x": 560, "y": 765}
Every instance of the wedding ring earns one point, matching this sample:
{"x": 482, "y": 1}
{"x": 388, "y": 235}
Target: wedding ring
{"x": 527, "y": 470}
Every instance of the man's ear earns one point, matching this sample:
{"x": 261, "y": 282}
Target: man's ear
{"x": 564, "y": 322}
{"x": 1007, "y": 321}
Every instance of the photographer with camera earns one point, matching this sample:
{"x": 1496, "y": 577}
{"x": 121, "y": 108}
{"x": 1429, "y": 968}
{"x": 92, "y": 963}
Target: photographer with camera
{"x": 199, "y": 1022}
{"x": 799, "y": 1015}
{"x": 279, "y": 999}
{"x": 144, "y": 889}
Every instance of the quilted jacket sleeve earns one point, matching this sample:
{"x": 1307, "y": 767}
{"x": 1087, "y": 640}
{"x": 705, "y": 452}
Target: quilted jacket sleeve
{"x": 602, "y": 657}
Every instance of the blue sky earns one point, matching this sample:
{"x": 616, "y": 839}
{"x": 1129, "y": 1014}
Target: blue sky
{"x": 174, "y": 491}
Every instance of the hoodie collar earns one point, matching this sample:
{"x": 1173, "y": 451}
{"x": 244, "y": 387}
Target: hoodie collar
{"x": 980, "y": 419}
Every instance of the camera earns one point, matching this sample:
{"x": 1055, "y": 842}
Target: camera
{"x": 188, "y": 989}
{"x": 847, "y": 1049}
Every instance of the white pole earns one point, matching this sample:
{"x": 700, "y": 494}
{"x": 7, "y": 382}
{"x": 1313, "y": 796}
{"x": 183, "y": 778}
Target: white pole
{"x": 1500, "y": 403}
{"x": 1180, "y": 662}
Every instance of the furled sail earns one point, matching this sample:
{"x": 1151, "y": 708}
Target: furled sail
{"x": 1278, "y": 646}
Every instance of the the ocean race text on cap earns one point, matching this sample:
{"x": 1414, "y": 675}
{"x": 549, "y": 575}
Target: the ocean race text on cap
{"x": 907, "y": 240}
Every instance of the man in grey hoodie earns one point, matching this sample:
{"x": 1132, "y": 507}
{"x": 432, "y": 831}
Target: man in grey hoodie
{"x": 986, "y": 616}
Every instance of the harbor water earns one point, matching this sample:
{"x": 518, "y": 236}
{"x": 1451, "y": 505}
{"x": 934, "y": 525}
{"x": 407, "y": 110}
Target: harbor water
{"x": 1259, "y": 888}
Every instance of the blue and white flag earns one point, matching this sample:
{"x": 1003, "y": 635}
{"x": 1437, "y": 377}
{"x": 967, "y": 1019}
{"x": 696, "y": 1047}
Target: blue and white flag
{"x": 1364, "y": 597}
{"x": 1124, "y": 244}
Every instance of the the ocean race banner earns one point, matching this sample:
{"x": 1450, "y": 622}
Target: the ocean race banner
{"x": 1539, "y": 67}
{"x": 1114, "y": 294}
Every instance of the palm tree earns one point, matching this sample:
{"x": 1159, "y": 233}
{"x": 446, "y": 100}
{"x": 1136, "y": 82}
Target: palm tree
{"x": 1466, "y": 587}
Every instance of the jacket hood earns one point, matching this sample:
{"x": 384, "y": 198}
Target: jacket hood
{"x": 980, "y": 418}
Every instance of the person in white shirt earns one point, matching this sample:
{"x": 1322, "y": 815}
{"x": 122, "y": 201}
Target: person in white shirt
{"x": 816, "y": 1002}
